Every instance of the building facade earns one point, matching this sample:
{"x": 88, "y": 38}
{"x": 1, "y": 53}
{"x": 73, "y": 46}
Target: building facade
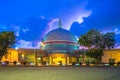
{"x": 112, "y": 55}
{"x": 38, "y": 56}
{"x": 58, "y": 47}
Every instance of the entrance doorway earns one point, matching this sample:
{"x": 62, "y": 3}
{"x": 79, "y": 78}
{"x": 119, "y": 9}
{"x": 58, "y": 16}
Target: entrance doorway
{"x": 59, "y": 60}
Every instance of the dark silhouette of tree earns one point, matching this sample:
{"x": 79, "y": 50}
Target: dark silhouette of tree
{"x": 109, "y": 40}
{"x": 7, "y": 40}
{"x": 96, "y": 42}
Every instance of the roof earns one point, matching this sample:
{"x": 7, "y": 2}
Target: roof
{"x": 60, "y": 34}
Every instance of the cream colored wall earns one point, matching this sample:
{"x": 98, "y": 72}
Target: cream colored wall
{"x": 11, "y": 56}
{"x": 114, "y": 54}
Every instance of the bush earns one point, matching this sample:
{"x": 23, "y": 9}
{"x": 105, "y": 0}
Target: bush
{"x": 7, "y": 62}
{"x": 118, "y": 63}
{"x": 111, "y": 62}
{"x": 14, "y": 62}
{"x": 24, "y": 62}
{"x": 73, "y": 63}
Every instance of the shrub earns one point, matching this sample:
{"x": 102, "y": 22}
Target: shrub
{"x": 14, "y": 62}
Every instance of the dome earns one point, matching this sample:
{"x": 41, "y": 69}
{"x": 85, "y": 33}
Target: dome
{"x": 60, "y": 34}
{"x": 60, "y": 40}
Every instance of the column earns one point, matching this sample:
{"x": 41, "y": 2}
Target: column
{"x": 68, "y": 60}
{"x": 50, "y": 60}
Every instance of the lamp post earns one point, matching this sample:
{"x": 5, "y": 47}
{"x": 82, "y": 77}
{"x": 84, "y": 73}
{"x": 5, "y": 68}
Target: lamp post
{"x": 36, "y": 57}
{"x": 23, "y": 56}
{"x": 36, "y": 54}
{"x": 42, "y": 51}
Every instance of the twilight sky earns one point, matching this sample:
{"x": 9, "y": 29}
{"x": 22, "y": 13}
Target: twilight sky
{"x": 32, "y": 19}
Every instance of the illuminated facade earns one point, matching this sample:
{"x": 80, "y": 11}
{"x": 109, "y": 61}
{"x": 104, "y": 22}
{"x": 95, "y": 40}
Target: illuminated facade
{"x": 11, "y": 56}
{"x": 60, "y": 46}
{"x": 42, "y": 57}
{"x": 113, "y": 54}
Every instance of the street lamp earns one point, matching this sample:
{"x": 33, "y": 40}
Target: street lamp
{"x": 23, "y": 56}
{"x": 36, "y": 55}
{"x": 36, "y": 51}
{"x": 42, "y": 45}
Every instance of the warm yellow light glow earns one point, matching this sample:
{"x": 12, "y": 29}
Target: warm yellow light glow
{"x": 22, "y": 55}
{"x": 42, "y": 44}
{"x": 111, "y": 54}
{"x": 57, "y": 60}
{"x": 11, "y": 56}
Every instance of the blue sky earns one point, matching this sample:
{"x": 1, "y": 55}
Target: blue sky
{"x": 32, "y": 19}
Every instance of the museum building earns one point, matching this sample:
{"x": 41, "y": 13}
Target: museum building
{"x": 58, "y": 47}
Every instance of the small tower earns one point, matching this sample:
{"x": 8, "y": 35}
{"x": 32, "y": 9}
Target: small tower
{"x": 60, "y": 23}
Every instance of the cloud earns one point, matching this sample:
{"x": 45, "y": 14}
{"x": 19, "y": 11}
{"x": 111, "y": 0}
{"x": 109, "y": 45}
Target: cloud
{"x": 25, "y": 30}
{"x": 28, "y": 44}
{"x": 3, "y": 27}
{"x": 105, "y": 13}
{"x": 25, "y": 44}
{"x": 17, "y": 33}
{"x": 16, "y": 29}
{"x": 116, "y": 30}
{"x": 33, "y": 29}
{"x": 80, "y": 29}
{"x": 105, "y": 16}
{"x": 42, "y": 17}
{"x": 76, "y": 14}
{"x": 52, "y": 22}
{"x": 30, "y": 22}
{"x": 117, "y": 46}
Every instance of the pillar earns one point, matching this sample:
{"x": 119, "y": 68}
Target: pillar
{"x": 68, "y": 60}
{"x": 50, "y": 60}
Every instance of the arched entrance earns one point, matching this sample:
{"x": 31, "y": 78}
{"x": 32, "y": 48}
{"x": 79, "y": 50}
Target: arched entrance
{"x": 58, "y": 59}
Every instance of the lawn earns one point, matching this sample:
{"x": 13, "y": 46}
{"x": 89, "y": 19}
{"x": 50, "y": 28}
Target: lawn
{"x": 59, "y": 73}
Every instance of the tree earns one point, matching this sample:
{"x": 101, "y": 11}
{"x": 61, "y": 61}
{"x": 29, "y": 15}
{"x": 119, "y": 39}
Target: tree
{"x": 7, "y": 40}
{"x": 96, "y": 42}
{"x": 91, "y": 39}
{"x": 95, "y": 53}
{"x": 109, "y": 40}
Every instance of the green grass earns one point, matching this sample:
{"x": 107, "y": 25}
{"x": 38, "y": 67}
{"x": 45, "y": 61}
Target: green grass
{"x": 59, "y": 73}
